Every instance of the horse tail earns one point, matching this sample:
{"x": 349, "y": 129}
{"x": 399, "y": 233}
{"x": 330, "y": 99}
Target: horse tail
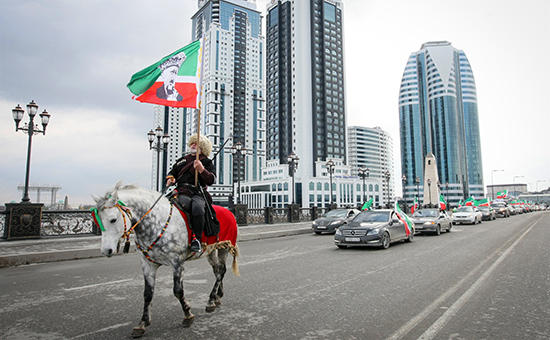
{"x": 235, "y": 265}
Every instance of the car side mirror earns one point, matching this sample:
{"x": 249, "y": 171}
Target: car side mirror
{"x": 395, "y": 220}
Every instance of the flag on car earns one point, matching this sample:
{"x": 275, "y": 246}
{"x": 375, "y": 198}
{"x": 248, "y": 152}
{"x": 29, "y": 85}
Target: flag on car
{"x": 173, "y": 81}
{"x": 442, "y": 202}
{"x": 469, "y": 201}
{"x": 368, "y": 204}
{"x": 484, "y": 202}
{"x": 409, "y": 225}
{"x": 502, "y": 194}
{"x": 415, "y": 205}
{"x": 460, "y": 203}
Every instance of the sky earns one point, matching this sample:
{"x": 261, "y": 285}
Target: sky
{"x": 74, "y": 59}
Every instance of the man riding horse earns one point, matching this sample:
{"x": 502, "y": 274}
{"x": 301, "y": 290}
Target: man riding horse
{"x": 190, "y": 196}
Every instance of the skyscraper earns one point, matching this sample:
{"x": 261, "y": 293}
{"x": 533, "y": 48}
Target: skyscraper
{"x": 372, "y": 148}
{"x": 305, "y": 83}
{"x": 233, "y": 105}
{"x": 438, "y": 114}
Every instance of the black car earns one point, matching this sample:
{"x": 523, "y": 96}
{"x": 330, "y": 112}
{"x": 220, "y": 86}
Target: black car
{"x": 487, "y": 213}
{"x": 333, "y": 220}
{"x": 376, "y": 228}
{"x": 501, "y": 209}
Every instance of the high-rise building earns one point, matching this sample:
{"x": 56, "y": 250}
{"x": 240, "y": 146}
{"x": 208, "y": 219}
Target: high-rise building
{"x": 438, "y": 114}
{"x": 372, "y": 148}
{"x": 306, "y": 112}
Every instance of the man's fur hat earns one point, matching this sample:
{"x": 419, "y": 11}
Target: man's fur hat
{"x": 205, "y": 145}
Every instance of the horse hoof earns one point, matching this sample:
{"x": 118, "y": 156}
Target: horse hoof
{"x": 210, "y": 309}
{"x": 138, "y": 332}
{"x": 218, "y": 302}
{"x": 187, "y": 322}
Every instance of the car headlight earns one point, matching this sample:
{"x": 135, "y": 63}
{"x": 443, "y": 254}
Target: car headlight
{"x": 338, "y": 232}
{"x": 314, "y": 222}
{"x": 336, "y": 222}
{"x": 375, "y": 231}
{"x": 429, "y": 223}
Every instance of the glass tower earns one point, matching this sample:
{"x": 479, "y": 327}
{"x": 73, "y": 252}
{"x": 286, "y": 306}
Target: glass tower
{"x": 438, "y": 114}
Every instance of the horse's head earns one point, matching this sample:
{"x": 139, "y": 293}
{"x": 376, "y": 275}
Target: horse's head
{"x": 110, "y": 216}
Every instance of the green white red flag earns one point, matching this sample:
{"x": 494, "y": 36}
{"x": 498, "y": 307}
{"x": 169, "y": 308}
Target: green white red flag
{"x": 368, "y": 204}
{"x": 469, "y": 201}
{"x": 442, "y": 202}
{"x": 173, "y": 81}
{"x": 409, "y": 225}
{"x": 415, "y": 205}
{"x": 502, "y": 194}
{"x": 484, "y": 202}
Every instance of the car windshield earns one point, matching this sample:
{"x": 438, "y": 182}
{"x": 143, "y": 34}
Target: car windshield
{"x": 337, "y": 213}
{"x": 372, "y": 216}
{"x": 465, "y": 209}
{"x": 484, "y": 208}
{"x": 425, "y": 213}
{"x": 498, "y": 205}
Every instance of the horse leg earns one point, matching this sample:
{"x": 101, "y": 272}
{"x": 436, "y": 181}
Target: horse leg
{"x": 149, "y": 274}
{"x": 189, "y": 318}
{"x": 218, "y": 265}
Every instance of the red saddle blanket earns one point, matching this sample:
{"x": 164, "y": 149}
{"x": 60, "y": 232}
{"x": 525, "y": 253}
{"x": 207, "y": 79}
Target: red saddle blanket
{"x": 228, "y": 227}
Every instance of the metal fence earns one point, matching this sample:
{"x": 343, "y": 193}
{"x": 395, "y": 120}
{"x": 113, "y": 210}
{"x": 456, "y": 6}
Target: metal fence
{"x": 79, "y": 222}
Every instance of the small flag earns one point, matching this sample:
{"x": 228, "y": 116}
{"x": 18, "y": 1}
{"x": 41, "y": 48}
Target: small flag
{"x": 502, "y": 194}
{"x": 173, "y": 81}
{"x": 409, "y": 225}
{"x": 415, "y": 206}
{"x": 469, "y": 201}
{"x": 460, "y": 203}
{"x": 484, "y": 202}
{"x": 368, "y": 204}
{"x": 442, "y": 202}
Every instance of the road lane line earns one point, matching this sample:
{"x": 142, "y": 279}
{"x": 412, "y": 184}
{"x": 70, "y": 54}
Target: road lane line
{"x": 87, "y": 335}
{"x": 96, "y": 285}
{"x": 406, "y": 328}
{"x": 431, "y": 332}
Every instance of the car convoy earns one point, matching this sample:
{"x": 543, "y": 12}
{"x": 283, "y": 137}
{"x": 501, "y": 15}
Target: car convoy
{"x": 382, "y": 227}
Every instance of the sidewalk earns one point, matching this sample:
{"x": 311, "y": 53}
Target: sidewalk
{"x": 50, "y": 249}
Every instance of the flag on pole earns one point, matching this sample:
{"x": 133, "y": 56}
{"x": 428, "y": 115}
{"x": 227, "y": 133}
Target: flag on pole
{"x": 415, "y": 205}
{"x": 469, "y": 201}
{"x": 368, "y": 204}
{"x": 502, "y": 194}
{"x": 173, "y": 81}
{"x": 442, "y": 202}
{"x": 409, "y": 225}
{"x": 460, "y": 203}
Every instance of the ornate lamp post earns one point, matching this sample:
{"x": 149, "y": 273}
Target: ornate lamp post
{"x": 292, "y": 166}
{"x": 31, "y": 129}
{"x": 330, "y": 167}
{"x": 447, "y": 198}
{"x": 157, "y": 146}
{"x": 238, "y": 151}
{"x": 417, "y": 181}
{"x": 404, "y": 181}
{"x": 364, "y": 172}
{"x": 430, "y": 191}
{"x": 387, "y": 175}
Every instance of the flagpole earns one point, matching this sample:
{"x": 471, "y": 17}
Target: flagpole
{"x": 199, "y": 109}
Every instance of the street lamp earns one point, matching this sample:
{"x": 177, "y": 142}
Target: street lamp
{"x": 238, "y": 151}
{"x": 388, "y": 175}
{"x": 447, "y": 198}
{"x": 492, "y": 183}
{"x": 363, "y": 172}
{"x": 404, "y": 181}
{"x": 515, "y": 191}
{"x": 292, "y": 166}
{"x": 31, "y": 129}
{"x": 157, "y": 146}
{"x": 430, "y": 190}
{"x": 417, "y": 181}
{"x": 540, "y": 180}
{"x": 330, "y": 167}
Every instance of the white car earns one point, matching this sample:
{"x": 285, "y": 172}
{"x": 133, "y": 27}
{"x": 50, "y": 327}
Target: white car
{"x": 467, "y": 214}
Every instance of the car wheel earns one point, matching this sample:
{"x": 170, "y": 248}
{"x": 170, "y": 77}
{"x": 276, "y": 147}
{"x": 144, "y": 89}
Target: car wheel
{"x": 450, "y": 227}
{"x": 385, "y": 241}
{"x": 410, "y": 238}
{"x": 438, "y": 230}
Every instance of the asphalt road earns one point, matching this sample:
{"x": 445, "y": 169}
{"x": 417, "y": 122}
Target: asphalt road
{"x": 487, "y": 281}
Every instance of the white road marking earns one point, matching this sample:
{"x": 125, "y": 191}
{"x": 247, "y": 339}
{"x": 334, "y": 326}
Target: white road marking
{"x": 96, "y": 285}
{"x": 102, "y": 330}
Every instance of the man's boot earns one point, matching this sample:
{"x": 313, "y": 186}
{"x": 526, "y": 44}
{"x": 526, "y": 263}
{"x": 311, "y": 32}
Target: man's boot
{"x": 195, "y": 246}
